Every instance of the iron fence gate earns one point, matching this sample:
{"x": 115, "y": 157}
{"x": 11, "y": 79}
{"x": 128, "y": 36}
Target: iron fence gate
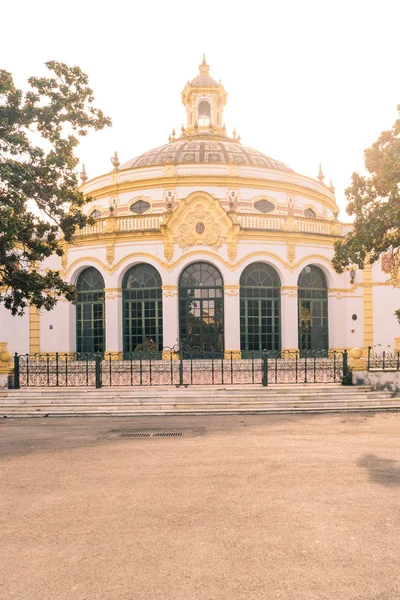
{"x": 178, "y": 366}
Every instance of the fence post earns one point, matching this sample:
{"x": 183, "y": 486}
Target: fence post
{"x": 369, "y": 357}
{"x": 345, "y": 367}
{"x": 16, "y": 371}
{"x": 180, "y": 366}
{"x": 265, "y": 369}
{"x": 97, "y": 363}
{"x": 57, "y": 382}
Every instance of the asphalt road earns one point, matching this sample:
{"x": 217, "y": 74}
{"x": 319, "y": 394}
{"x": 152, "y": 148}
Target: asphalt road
{"x": 256, "y": 507}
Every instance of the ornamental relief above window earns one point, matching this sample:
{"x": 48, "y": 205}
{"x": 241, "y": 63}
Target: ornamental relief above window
{"x": 199, "y": 221}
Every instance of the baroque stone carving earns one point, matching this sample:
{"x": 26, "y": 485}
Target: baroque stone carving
{"x": 231, "y": 290}
{"x": 291, "y": 253}
{"x": 110, "y": 253}
{"x": 200, "y": 220}
{"x": 200, "y": 229}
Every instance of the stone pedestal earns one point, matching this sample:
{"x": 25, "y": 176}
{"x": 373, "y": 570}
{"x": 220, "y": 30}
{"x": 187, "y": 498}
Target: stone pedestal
{"x": 6, "y": 366}
{"x": 355, "y": 362}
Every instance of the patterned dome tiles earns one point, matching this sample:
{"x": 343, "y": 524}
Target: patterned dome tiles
{"x": 204, "y": 151}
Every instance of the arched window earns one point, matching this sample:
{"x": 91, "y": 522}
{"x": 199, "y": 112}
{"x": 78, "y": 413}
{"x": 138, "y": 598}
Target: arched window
{"x": 204, "y": 113}
{"x": 90, "y": 321}
{"x": 260, "y": 311}
{"x": 201, "y": 307}
{"x": 140, "y": 207}
{"x": 142, "y": 310}
{"x": 264, "y": 206}
{"x": 95, "y": 214}
{"x": 310, "y": 213}
{"x": 313, "y": 310}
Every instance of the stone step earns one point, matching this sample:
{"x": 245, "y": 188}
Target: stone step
{"x": 186, "y": 412}
{"x": 148, "y": 409}
{"x": 189, "y": 398}
{"x": 182, "y": 392}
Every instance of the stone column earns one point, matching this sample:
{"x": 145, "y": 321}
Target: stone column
{"x": 232, "y": 321}
{"x": 113, "y": 315}
{"x": 289, "y": 318}
{"x": 170, "y": 307}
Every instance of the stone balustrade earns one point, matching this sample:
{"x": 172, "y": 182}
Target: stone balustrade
{"x": 249, "y": 221}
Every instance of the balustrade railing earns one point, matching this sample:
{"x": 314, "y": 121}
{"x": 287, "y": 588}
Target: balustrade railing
{"x": 140, "y": 223}
{"x": 97, "y": 228}
{"x": 314, "y": 226}
{"x": 246, "y": 221}
{"x": 261, "y": 221}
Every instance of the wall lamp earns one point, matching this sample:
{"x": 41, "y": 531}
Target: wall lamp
{"x": 352, "y": 275}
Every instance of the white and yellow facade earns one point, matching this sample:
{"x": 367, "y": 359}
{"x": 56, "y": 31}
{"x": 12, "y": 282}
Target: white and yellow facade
{"x": 200, "y": 198}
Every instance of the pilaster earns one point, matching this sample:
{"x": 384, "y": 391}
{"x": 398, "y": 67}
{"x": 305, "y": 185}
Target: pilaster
{"x": 232, "y": 320}
{"x": 337, "y": 320}
{"x": 289, "y": 318}
{"x": 170, "y": 315}
{"x": 34, "y": 330}
{"x": 113, "y": 316}
{"x": 368, "y": 307}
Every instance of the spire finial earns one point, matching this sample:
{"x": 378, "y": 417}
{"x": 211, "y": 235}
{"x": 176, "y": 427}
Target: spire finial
{"x": 321, "y": 176}
{"x": 204, "y": 68}
{"x": 115, "y": 161}
{"x": 83, "y": 175}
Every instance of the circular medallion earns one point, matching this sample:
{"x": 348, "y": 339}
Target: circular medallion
{"x": 200, "y": 227}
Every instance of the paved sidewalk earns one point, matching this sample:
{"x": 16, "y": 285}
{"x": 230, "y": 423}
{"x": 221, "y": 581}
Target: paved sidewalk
{"x": 255, "y": 507}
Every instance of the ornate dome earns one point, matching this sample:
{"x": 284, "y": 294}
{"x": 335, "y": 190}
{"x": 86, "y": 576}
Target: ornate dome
{"x": 210, "y": 150}
{"x": 204, "y": 80}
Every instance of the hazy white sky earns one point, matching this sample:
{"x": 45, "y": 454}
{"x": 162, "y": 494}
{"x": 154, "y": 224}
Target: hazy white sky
{"x": 307, "y": 81}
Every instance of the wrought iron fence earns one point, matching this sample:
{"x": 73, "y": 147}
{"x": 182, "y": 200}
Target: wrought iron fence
{"x": 179, "y": 365}
{"x": 383, "y": 360}
{"x": 56, "y": 370}
{"x": 319, "y": 366}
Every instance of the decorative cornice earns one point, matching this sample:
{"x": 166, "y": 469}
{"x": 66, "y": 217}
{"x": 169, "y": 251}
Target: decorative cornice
{"x": 225, "y": 180}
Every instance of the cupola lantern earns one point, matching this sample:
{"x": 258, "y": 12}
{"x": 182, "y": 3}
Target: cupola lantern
{"x": 204, "y": 100}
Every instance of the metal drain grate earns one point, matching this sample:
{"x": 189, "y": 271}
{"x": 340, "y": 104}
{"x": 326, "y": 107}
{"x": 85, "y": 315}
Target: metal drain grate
{"x": 147, "y": 435}
{"x": 135, "y": 435}
{"x": 171, "y": 434}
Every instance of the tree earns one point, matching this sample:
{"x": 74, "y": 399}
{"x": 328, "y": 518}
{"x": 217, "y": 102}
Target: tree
{"x": 374, "y": 201}
{"x": 39, "y": 132}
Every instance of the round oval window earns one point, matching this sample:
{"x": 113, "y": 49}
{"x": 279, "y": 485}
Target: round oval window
{"x": 140, "y": 207}
{"x": 264, "y": 206}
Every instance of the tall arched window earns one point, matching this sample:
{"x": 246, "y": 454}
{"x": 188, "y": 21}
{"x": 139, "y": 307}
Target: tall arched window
{"x": 260, "y": 310}
{"x": 142, "y": 310}
{"x": 204, "y": 113}
{"x": 313, "y": 310}
{"x": 201, "y": 307}
{"x": 90, "y": 321}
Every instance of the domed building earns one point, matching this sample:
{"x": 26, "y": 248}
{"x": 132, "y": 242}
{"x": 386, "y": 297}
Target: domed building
{"x": 208, "y": 240}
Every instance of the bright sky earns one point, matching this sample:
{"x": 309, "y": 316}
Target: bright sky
{"x": 307, "y": 82}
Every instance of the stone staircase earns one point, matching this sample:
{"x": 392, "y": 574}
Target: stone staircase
{"x": 194, "y": 400}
